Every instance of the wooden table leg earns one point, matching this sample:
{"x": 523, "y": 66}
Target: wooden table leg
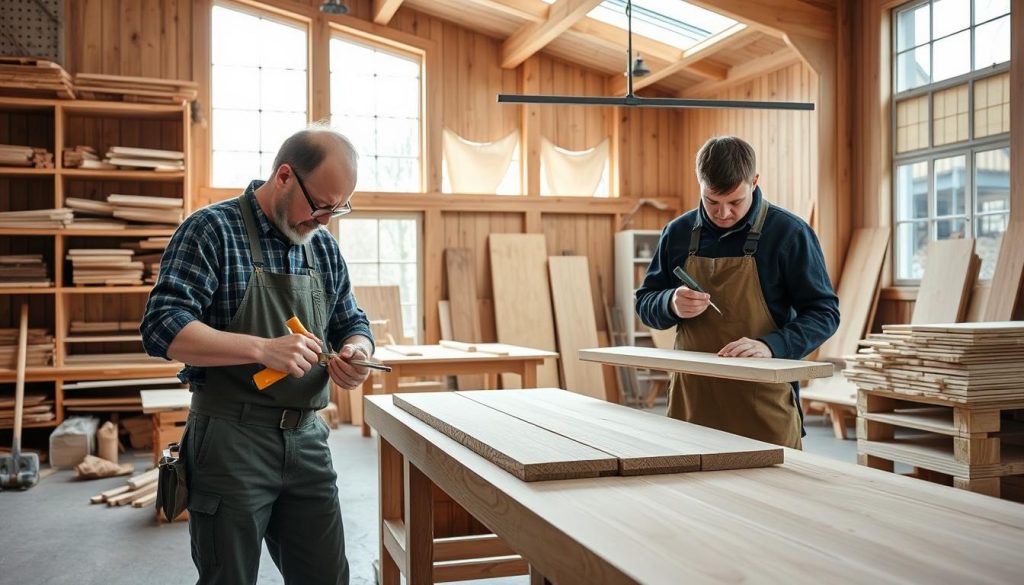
{"x": 366, "y": 388}
{"x": 529, "y": 373}
{"x": 391, "y": 501}
{"x": 419, "y": 526}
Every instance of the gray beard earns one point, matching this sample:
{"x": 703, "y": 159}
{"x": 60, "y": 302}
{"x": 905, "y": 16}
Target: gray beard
{"x": 297, "y": 239}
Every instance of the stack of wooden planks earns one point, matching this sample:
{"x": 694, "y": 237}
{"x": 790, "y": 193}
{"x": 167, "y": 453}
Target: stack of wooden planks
{"x": 84, "y": 157}
{"x": 40, "y": 348}
{"x": 12, "y": 155}
{"x": 972, "y": 362}
{"x": 132, "y": 158}
{"x": 86, "y": 327}
{"x": 139, "y": 492}
{"x": 24, "y": 270}
{"x": 38, "y": 408}
{"x": 29, "y": 76}
{"x": 36, "y": 218}
{"x": 124, "y": 210}
{"x": 112, "y": 266}
{"x": 111, "y": 395}
{"x": 147, "y": 90}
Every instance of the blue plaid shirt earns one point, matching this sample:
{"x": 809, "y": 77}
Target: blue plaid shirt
{"x": 205, "y": 270}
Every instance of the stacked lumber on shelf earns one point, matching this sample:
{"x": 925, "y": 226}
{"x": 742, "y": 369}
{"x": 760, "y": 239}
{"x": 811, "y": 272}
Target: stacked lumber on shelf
{"x": 146, "y": 158}
{"x": 23, "y": 270}
{"x": 83, "y": 157}
{"x": 138, "y": 491}
{"x": 135, "y": 89}
{"x": 126, "y": 211}
{"x": 29, "y": 76}
{"x": 13, "y": 155}
{"x": 110, "y": 395}
{"x": 86, "y": 327}
{"x": 37, "y": 218}
{"x": 37, "y": 408}
{"x": 40, "y": 348}
{"x": 110, "y": 266}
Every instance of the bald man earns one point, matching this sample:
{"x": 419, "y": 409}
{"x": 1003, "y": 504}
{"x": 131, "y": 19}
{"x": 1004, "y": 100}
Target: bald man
{"x": 258, "y": 464}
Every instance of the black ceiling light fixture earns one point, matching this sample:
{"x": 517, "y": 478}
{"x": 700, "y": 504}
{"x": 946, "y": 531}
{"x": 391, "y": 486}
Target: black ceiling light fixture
{"x": 639, "y": 69}
{"x": 334, "y": 7}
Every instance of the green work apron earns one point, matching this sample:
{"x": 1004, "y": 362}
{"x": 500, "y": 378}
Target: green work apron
{"x": 258, "y": 463}
{"x": 763, "y": 411}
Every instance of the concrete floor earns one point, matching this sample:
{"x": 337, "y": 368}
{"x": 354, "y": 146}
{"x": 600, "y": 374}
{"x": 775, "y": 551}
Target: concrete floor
{"x": 50, "y": 534}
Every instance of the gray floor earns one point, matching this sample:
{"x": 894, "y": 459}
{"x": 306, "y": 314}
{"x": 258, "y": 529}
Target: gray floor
{"x": 50, "y": 534}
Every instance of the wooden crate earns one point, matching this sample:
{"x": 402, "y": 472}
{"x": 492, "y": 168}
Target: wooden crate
{"x": 168, "y": 427}
{"x": 974, "y": 447}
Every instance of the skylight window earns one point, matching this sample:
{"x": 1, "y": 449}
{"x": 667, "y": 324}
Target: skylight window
{"x": 672, "y": 22}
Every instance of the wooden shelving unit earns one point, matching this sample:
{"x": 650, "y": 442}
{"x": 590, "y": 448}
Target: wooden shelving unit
{"x": 56, "y": 124}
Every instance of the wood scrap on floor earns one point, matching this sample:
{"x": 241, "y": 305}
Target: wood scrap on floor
{"x": 139, "y": 492}
{"x": 576, "y": 323}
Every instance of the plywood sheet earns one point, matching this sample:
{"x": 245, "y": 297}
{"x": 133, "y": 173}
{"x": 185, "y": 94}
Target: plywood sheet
{"x": 382, "y": 302}
{"x": 577, "y": 327}
{"x": 519, "y": 447}
{"x": 522, "y": 299}
{"x": 644, "y": 443}
{"x": 1008, "y": 278}
{"x": 949, "y": 276}
{"x": 857, "y": 287}
{"x": 462, "y": 308}
{"x": 709, "y": 364}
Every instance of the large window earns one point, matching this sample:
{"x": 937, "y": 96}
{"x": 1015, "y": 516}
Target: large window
{"x": 384, "y": 250}
{"x": 951, "y": 123}
{"x": 376, "y": 101}
{"x": 259, "y": 91}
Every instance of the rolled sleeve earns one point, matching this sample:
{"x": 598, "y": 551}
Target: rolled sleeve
{"x": 347, "y": 319}
{"x": 653, "y": 300}
{"x": 185, "y": 286}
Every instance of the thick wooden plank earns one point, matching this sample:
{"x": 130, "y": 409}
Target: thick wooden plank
{"x": 857, "y": 286}
{"x": 947, "y": 282}
{"x": 522, "y": 299}
{"x": 525, "y": 450}
{"x": 1005, "y": 297}
{"x": 644, "y": 443}
{"x": 465, "y": 317}
{"x": 577, "y": 328}
{"x": 709, "y": 364}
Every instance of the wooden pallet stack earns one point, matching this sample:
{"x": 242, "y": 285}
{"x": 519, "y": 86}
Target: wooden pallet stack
{"x": 48, "y": 219}
{"x": 958, "y": 388}
{"x": 126, "y": 211}
{"x": 24, "y": 270}
{"x": 147, "y": 90}
{"x": 104, "y": 266}
{"x": 40, "y": 348}
{"x": 32, "y": 77}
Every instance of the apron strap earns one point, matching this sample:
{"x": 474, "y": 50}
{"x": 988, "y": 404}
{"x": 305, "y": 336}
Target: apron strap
{"x": 750, "y": 245}
{"x": 307, "y": 251}
{"x": 249, "y": 217}
{"x": 695, "y": 235}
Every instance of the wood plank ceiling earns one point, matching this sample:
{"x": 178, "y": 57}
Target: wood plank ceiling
{"x": 560, "y": 30}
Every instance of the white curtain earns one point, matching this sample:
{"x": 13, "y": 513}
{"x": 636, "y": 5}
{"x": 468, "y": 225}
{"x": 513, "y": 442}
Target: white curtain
{"x": 570, "y": 172}
{"x": 477, "y": 167}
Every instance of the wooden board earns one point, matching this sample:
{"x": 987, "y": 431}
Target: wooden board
{"x": 576, "y": 324}
{"x": 1005, "y": 296}
{"x": 382, "y": 302}
{"x": 856, "y": 292}
{"x": 460, "y": 270}
{"x": 949, "y": 276}
{"x": 526, "y": 451}
{"x": 522, "y": 299}
{"x": 160, "y": 400}
{"x": 644, "y": 443}
{"x": 709, "y": 364}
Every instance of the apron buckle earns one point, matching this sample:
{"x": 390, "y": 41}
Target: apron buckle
{"x": 290, "y": 418}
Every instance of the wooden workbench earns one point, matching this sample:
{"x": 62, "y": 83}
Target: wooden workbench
{"x": 808, "y": 520}
{"x": 435, "y": 360}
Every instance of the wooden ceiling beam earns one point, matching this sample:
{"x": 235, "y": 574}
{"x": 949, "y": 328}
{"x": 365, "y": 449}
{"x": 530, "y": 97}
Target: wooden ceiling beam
{"x": 383, "y": 10}
{"x": 535, "y": 36}
{"x": 771, "y": 62}
{"x": 783, "y": 16}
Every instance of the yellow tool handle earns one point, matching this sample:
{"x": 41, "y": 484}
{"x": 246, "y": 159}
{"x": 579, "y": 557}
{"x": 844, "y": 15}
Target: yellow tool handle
{"x": 268, "y": 376}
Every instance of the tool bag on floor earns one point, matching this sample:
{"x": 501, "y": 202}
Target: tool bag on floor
{"x": 172, "y": 486}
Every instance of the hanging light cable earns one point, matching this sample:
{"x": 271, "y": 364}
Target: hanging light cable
{"x": 631, "y": 100}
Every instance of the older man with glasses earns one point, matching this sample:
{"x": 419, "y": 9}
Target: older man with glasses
{"x": 258, "y": 464}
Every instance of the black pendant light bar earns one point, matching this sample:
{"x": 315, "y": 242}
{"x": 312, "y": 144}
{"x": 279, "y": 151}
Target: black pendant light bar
{"x": 631, "y": 100}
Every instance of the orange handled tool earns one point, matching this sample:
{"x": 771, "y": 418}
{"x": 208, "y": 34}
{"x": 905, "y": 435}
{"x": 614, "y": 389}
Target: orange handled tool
{"x": 268, "y": 376}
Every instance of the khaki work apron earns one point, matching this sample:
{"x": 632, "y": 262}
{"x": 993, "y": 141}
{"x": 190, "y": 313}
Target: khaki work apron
{"x": 762, "y": 411}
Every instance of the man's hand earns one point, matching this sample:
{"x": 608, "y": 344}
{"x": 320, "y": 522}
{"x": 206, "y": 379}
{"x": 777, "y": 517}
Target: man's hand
{"x": 688, "y": 303}
{"x": 746, "y": 347}
{"x": 294, "y": 354}
{"x": 345, "y": 374}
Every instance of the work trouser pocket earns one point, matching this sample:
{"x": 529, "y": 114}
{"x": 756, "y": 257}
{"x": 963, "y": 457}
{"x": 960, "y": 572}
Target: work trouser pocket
{"x": 203, "y": 508}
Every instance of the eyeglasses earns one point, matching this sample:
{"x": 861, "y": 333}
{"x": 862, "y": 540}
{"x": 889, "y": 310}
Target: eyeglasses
{"x": 318, "y": 212}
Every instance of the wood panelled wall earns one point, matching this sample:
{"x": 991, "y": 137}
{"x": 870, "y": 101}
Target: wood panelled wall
{"x": 783, "y": 140}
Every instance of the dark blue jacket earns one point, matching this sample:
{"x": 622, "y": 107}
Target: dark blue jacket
{"x": 790, "y": 265}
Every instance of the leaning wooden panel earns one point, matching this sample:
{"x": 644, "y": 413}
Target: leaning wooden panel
{"x": 460, "y": 269}
{"x": 1009, "y": 275}
{"x": 522, "y": 299}
{"x": 856, "y": 292}
{"x": 644, "y": 443}
{"x": 520, "y": 448}
{"x": 577, "y": 327}
{"x": 709, "y": 364}
{"x": 949, "y": 276}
